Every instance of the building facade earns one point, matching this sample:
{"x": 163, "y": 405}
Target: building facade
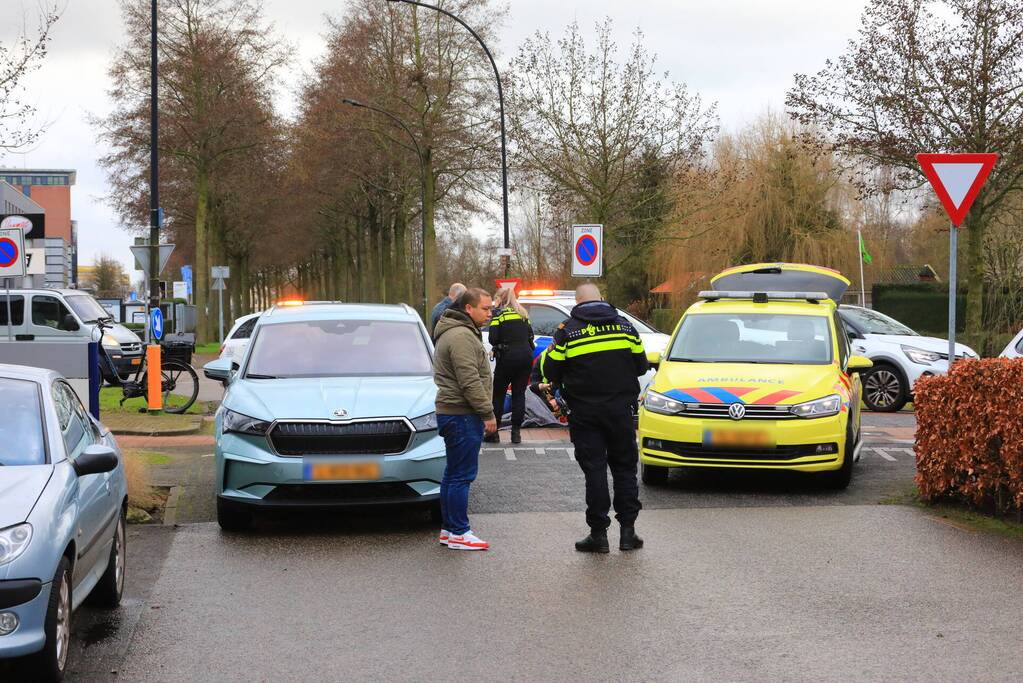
{"x": 54, "y": 235}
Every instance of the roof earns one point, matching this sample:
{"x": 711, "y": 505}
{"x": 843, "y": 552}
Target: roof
{"x": 41, "y": 375}
{"x": 339, "y": 311}
{"x": 72, "y": 173}
{"x": 681, "y": 283}
{"x": 785, "y": 307}
{"x": 907, "y": 274}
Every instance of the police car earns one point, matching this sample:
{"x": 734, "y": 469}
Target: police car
{"x": 758, "y": 375}
{"x": 549, "y": 308}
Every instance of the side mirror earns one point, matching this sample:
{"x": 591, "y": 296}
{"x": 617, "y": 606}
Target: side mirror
{"x": 220, "y": 369}
{"x": 95, "y": 459}
{"x": 654, "y": 358}
{"x": 859, "y": 364}
{"x": 853, "y": 334}
{"x": 69, "y": 324}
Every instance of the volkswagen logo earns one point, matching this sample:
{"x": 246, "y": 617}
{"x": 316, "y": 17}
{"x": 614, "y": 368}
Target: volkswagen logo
{"x": 737, "y": 411}
{"x": 340, "y": 412}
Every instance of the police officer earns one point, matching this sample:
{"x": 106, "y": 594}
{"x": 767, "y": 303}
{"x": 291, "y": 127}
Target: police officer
{"x": 511, "y": 338}
{"x": 596, "y": 358}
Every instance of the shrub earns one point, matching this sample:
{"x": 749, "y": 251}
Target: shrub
{"x": 665, "y": 319}
{"x": 969, "y": 439}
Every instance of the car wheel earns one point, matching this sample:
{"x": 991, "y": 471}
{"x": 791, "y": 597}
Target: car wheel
{"x": 231, "y": 518}
{"x": 110, "y": 588}
{"x": 884, "y": 388}
{"x": 50, "y": 663}
{"x": 654, "y": 475}
{"x": 840, "y": 478}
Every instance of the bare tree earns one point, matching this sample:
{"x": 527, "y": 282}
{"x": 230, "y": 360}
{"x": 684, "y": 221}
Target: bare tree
{"x": 928, "y": 76}
{"x": 22, "y": 56}
{"x": 107, "y": 278}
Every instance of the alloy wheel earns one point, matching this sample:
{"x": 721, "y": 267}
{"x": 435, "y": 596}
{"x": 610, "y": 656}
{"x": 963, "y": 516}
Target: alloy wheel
{"x": 883, "y": 387}
{"x": 63, "y": 622}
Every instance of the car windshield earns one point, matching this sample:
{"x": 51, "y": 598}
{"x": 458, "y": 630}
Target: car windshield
{"x": 640, "y": 326}
{"x": 872, "y": 322}
{"x": 753, "y": 338}
{"x": 21, "y": 430}
{"x": 338, "y": 348}
{"x": 86, "y": 308}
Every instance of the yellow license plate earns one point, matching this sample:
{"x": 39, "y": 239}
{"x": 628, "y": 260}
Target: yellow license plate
{"x": 737, "y": 438}
{"x": 349, "y": 471}
{"x": 136, "y": 361}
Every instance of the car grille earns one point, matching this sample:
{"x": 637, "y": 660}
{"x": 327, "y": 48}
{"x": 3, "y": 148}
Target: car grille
{"x": 699, "y": 451}
{"x": 379, "y": 437}
{"x": 753, "y": 412}
{"x": 131, "y": 349}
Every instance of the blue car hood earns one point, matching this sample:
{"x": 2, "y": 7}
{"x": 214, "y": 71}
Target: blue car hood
{"x": 317, "y": 399}
{"x": 20, "y": 488}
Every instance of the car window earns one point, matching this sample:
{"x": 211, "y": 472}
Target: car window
{"x": 844, "y": 349}
{"x": 753, "y": 338}
{"x": 87, "y": 308}
{"x": 244, "y": 330}
{"x": 17, "y": 310}
{"x": 1019, "y": 345}
{"x": 873, "y": 322}
{"x": 545, "y": 319}
{"x": 22, "y": 440}
{"x": 49, "y": 311}
{"x": 338, "y": 348}
{"x": 75, "y": 431}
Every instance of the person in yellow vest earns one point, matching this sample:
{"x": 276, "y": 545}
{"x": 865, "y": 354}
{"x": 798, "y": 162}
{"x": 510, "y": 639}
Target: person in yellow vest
{"x": 511, "y": 338}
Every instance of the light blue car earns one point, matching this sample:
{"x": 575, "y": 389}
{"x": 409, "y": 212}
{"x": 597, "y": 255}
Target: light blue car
{"x": 63, "y": 499}
{"x": 331, "y": 405}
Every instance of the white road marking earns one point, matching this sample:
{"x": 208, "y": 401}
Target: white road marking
{"x": 541, "y": 451}
{"x": 208, "y": 455}
{"x": 509, "y": 454}
{"x": 883, "y": 453}
{"x": 571, "y": 452}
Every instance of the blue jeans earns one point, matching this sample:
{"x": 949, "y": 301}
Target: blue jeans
{"x": 463, "y": 436}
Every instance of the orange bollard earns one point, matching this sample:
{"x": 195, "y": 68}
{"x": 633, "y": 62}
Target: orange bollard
{"x": 154, "y": 384}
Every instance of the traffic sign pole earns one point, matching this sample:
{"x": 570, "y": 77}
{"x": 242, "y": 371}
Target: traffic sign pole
{"x": 953, "y": 245}
{"x": 10, "y": 318}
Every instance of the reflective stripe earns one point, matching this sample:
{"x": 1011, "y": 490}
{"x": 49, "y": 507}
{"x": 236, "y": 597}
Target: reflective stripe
{"x": 628, "y": 342}
{"x": 599, "y": 346}
{"x": 556, "y": 353}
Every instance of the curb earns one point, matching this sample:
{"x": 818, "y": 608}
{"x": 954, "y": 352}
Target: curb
{"x": 179, "y": 431}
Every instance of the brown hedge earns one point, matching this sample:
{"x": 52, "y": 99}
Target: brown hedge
{"x": 969, "y": 436}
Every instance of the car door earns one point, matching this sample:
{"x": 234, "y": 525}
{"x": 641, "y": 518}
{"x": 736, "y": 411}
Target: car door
{"x": 545, "y": 318}
{"x": 93, "y": 495}
{"x": 51, "y": 320}
{"x": 17, "y": 314}
{"x": 845, "y": 350}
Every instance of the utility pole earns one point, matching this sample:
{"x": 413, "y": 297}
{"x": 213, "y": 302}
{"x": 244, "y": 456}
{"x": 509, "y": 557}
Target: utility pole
{"x": 154, "y": 178}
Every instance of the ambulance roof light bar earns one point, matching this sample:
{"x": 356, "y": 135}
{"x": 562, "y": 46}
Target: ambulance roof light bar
{"x": 764, "y": 297}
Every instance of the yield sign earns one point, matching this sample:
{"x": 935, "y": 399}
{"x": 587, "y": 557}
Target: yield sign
{"x": 511, "y": 283}
{"x": 957, "y": 179}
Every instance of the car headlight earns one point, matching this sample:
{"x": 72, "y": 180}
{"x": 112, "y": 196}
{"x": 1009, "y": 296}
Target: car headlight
{"x": 243, "y": 424}
{"x": 13, "y": 541}
{"x": 110, "y": 341}
{"x": 920, "y": 356}
{"x": 425, "y": 423}
{"x": 822, "y": 407}
{"x": 659, "y": 403}
{"x": 970, "y": 353}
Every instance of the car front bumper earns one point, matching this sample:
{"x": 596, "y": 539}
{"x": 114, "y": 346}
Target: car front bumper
{"x": 802, "y": 445}
{"x": 30, "y": 635}
{"x": 248, "y": 474}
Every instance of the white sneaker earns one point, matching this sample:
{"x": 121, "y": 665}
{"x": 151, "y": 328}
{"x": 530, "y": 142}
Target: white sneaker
{"x": 467, "y": 541}
{"x": 444, "y": 535}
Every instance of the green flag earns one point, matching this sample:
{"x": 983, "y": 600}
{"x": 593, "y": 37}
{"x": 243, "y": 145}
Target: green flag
{"x": 864, "y": 254}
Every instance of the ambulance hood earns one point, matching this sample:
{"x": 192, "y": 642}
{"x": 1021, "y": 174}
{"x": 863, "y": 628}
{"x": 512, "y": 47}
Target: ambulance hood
{"x": 751, "y": 383}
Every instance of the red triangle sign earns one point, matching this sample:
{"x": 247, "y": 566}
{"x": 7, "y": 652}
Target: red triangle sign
{"x": 957, "y": 179}
{"x": 510, "y": 282}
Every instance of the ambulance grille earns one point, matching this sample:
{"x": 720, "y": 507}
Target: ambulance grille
{"x": 753, "y": 412}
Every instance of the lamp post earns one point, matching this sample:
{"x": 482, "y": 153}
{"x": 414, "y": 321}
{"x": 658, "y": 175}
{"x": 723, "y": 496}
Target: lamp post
{"x": 422, "y": 186}
{"x": 154, "y": 177}
{"x": 500, "y": 101}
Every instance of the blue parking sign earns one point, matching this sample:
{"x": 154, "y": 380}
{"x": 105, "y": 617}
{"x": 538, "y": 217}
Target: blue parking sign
{"x": 156, "y": 323}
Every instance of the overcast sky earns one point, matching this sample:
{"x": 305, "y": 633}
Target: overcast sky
{"x": 740, "y": 53}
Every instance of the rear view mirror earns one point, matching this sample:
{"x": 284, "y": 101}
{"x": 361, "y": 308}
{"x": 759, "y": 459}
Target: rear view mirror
{"x": 95, "y": 459}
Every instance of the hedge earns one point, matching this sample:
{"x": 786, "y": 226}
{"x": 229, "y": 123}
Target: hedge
{"x": 969, "y": 437}
{"x": 922, "y": 306}
{"x": 665, "y": 319}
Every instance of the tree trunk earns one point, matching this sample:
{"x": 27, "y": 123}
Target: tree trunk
{"x": 399, "y": 266}
{"x": 430, "y": 234}
{"x": 976, "y": 225}
{"x": 204, "y": 328}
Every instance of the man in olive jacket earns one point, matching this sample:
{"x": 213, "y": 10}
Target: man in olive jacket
{"x": 461, "y": 371}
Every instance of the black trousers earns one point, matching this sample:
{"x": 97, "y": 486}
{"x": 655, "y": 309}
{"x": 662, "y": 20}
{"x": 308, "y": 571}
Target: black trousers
{"x": 513, "y": 370}
{"x": 604, "y": 438}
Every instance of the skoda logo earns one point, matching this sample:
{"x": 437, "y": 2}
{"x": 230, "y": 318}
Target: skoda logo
{"x": 340, "y": 412}
{"x": 737, "y": 411}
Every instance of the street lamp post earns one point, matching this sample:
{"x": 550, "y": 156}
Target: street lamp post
{"x": 154, "y": 177}
{"x": 500, "y": 100}
{"x": 422, "y": 186}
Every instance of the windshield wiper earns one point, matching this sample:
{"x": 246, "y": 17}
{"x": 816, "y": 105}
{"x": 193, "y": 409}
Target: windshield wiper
{"x": 252, "y": 376}
{"x": 688, "y": 360}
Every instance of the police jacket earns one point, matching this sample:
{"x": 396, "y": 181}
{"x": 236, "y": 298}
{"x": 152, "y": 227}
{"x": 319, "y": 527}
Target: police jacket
{"x": 511, "y": 335}
{"x": 596, "y": 357}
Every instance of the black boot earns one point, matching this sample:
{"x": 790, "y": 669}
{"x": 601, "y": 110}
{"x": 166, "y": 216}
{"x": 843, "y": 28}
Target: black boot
{"x": 630, "y": 541}
{"x": 516, "y": 437}
{"x": 596, "y": 542}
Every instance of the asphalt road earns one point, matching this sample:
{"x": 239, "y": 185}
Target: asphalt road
{"x": 742, "y": 578}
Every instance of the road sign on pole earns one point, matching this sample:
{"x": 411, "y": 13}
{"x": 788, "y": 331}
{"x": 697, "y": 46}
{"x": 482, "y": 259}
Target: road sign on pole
{"x": 156, "y": 323}
{"x": 221, "y": 272}
{"x": 587, "y": 250}
{"x": 12, "y": 253}
{"x": 141, "y": 253}
{"x": 512, "y": 283}
{"x": 957, "y": 180}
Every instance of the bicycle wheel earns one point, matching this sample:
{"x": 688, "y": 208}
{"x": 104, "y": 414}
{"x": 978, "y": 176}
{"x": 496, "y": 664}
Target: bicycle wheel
{"x": 179, "y": 379}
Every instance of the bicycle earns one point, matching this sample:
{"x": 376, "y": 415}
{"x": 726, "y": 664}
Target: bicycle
{"x": 174, "y": 375}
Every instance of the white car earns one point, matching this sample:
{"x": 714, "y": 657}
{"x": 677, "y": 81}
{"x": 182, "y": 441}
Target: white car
{"x": 900, "y": 356}
{"x": 238, "y": 338}
{"x": 549, "y": 308}
{"x": 1015, "y": 348}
